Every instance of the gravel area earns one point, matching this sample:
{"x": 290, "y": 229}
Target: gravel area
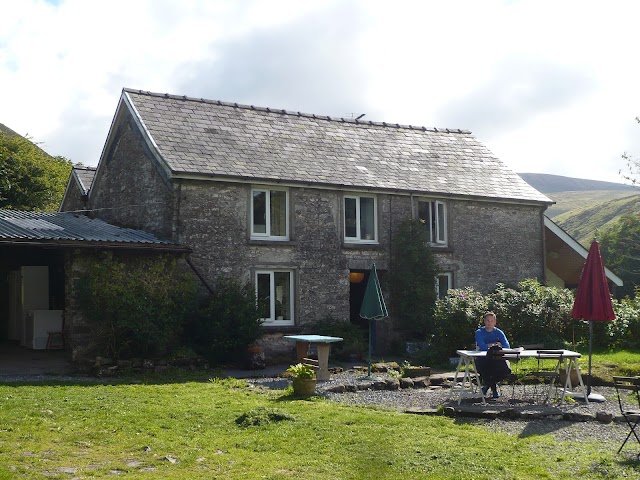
{"x": 540, "y": 419}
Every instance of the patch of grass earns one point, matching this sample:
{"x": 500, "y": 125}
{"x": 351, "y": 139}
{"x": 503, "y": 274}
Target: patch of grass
{"x": 605, "y": 365}
{"x": 189, "y": 430}
{"x": 263, "y": 416}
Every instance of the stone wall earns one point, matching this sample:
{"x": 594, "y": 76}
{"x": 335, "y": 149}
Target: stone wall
{"x": 492, "y": 243}
{"x": 77, "y": 330}
{"x": 130, "y": 188}
{"x": 73, "y": 200}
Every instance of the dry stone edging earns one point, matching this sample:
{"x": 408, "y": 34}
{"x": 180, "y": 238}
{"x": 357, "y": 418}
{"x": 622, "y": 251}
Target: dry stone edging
{"x": 382, "y": 384}
{"x": 107, "y": 367}
{"x": 489, "y": 412}
{"x": 514, "y": 414}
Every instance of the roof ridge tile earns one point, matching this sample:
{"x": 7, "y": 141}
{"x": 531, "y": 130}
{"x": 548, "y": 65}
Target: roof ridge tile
{"x": 297, "y": 113}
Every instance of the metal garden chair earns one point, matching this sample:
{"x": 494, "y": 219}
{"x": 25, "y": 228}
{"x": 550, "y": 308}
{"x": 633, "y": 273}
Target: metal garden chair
{"x": 628, "y": 390}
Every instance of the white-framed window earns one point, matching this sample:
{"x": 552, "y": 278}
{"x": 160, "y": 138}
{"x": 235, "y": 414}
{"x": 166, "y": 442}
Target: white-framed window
{"x": 360, "y": 219}
{"x": 274, "y": 294}
{"x": 444, "y": 283}
{"x": 433, "y": 213}
{"x": 269, "y": 213}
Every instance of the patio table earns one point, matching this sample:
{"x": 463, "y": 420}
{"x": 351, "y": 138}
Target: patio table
{"x": 323, "y": 345}
{"x": 469, "y": 385}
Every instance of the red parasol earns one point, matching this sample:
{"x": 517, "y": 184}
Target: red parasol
{"x": 593, "y": 301}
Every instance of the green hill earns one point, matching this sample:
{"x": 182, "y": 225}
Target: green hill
{"x": 582, "y": 223}
{"x": 569, "y": 201}
{"x": 546, "y": 183}
{"x": 6, "y": 130}
{"x": 584, "y": 206}
{"x": 10, "y": 133}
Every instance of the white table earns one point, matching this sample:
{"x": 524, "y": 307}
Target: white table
{"x": 470, "y": 383}
{"x": 323, "y": 344}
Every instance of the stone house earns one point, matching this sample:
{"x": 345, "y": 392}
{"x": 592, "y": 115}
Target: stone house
{"x": 295, "y": 202}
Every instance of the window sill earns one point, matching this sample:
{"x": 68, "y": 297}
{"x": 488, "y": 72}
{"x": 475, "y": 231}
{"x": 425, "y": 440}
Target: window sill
{"x": 270, "y": 241}
{"x": 441, "y": 249}
{"x": 362, "y": 245}
{"x": 280, "y": 328}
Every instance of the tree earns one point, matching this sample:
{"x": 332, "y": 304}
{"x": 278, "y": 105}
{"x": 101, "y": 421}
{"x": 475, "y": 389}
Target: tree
{"x": 633, "y": 166}
{"x": 620, "y": 248}
{"x": 30, "y": 179}
{"x": 413, "y": 279}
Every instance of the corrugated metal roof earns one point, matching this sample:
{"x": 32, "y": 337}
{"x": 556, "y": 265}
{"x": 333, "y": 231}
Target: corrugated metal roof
{"x": 62, "y": 226}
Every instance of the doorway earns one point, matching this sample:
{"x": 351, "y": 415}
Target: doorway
{"x": 357, "y": 285}
{"x": 31, "y": 294}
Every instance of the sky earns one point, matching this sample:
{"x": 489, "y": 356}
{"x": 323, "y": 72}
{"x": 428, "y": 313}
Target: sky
{"x": 548, "y": 86}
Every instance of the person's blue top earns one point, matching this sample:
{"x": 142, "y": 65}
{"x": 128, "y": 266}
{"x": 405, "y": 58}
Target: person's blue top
{"x": 484, "y": 338}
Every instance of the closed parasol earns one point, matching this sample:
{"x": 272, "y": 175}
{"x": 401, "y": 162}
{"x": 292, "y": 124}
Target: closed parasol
{"x": 373, "y": 306}
{"x": 593, "y": 300}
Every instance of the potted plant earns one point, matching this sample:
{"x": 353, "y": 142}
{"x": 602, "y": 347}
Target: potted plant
{"x": 304, "y": 379}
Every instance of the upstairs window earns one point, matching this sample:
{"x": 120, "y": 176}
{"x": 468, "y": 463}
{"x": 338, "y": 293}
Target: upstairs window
{"x": 274, "y": 293}
{"x": 433, "y": 214}
{"x": 360, "y": 219}
{"x": 269, "y": 214}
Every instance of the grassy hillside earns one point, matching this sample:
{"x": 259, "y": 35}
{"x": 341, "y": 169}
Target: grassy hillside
{"x": 567, "y": 201}
{"x": 582, "y": 223}
{"x": 6, "y": 130}
{"x": 10, "y": 133}
{"x": 547, "y": 183}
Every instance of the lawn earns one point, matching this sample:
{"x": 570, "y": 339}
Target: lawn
{"x": 198, "y": 428}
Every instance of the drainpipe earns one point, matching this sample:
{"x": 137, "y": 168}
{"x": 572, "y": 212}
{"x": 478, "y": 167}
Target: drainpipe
{"x": 198, "y": 274}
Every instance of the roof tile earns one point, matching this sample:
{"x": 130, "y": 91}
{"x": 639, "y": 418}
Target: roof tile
{"x": 298, "y": 147}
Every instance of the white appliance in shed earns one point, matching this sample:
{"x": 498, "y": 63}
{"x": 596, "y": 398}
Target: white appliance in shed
{"x": 39, "y": 324}
{"x": 30, "y": 317}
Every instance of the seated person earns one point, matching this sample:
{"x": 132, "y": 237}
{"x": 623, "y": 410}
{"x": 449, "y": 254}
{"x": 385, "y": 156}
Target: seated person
{"x": 491, "y": 370}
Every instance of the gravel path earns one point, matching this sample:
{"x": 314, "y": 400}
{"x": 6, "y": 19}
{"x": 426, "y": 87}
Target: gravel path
{"x": 550, "y": 419}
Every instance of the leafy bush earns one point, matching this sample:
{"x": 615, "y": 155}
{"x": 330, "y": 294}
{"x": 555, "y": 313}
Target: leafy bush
{"x": 301, "y": 370}
{"x": 135, "y": 305}
{"x": 624, "y": 332}
{"x": 355, "y": 339}
{"x": 455, "y": 319}
{"x": 533, "y": 313}
{"x": 413, "y": 272}
{"x": 227, "y": 323}
{"x": 530, "y": 313}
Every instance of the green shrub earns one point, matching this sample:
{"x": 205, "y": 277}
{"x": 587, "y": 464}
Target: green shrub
{"x": 355, "y": 339}
{"x": 533, "y": 313}
{"x": 413, "y": 272}
{"x": 455, "y": 320}
{"x": 301, "y": 370}
{"x": 227, "y": 323}
{"x": 624, "y": 331}
{"x": 135, "y": 305}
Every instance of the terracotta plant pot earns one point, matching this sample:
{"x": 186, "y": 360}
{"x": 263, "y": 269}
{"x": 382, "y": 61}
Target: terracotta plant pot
{"x": 304, "y": 387}
{"x": 255, "y": 359}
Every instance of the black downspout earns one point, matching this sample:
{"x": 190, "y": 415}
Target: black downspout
{"x": 198, "y": 274}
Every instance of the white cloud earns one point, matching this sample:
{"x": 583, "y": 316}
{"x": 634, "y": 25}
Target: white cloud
{"x": 549, "y": 86}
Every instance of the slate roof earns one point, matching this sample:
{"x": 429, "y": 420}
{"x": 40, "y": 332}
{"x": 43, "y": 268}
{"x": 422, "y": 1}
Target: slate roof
{"x": 213, "y": 138}
{"x": 18, "y": 226}
{"x": 84, "y": 176}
